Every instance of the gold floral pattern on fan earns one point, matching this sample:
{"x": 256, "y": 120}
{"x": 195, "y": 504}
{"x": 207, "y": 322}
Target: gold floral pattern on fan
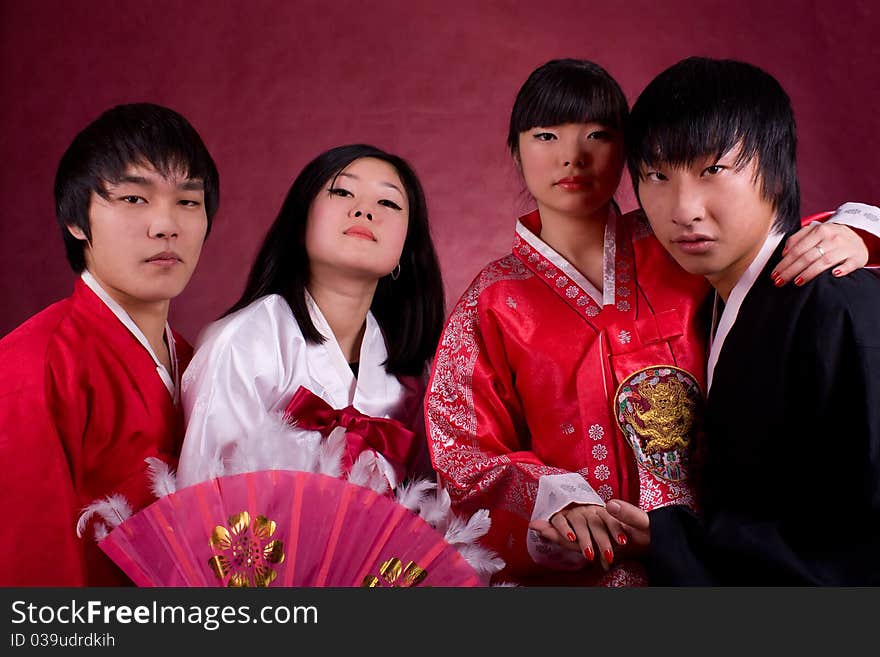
{"x": 394, "y": 574}
{"x": 246, "y": 552}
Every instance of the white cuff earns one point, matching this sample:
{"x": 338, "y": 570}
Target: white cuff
{"x": 858, "y": 215}
{"x": 555, "y": 492}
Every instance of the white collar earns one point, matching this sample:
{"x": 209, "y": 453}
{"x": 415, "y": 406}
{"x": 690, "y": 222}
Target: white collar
{"x": 168, "y": 378}
{"x": 607, "y": 296}
{"x": 371, "y": 387}
{"x": 735, "y": 300}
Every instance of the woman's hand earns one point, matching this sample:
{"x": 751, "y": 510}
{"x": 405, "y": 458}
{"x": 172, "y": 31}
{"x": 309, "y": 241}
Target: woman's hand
{"x": 634, "y": 522}
{"x": 817, "y": 248}
{"x": 586, "y": 528}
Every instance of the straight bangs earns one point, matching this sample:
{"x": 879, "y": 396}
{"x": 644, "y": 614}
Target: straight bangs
{"x": 567, "y": 91}
{"x": 567, "y": 101}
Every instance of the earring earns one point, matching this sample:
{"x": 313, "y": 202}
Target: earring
{"x": 395, "y": 273}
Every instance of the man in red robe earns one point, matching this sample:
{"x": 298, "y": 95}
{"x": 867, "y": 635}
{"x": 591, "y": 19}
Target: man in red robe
{"x": 91, "y": 384}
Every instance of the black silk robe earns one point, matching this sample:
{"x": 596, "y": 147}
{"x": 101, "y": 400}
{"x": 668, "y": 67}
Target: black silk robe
{"x": 790, "y": 482}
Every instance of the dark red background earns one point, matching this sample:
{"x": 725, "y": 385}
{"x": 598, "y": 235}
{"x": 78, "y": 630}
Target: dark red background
{"x": 271, "y": 84}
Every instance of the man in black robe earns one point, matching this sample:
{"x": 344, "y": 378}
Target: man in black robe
{"x": 789, "y": 477}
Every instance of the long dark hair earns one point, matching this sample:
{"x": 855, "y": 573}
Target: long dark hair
{"x": 410, "y": 310}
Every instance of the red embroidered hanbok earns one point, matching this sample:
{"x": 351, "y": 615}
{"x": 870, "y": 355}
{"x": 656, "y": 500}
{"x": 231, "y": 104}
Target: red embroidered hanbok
{"x": 546, "y": 391}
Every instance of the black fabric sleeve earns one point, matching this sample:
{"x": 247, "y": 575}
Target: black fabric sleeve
{"x": 677, "y": 553}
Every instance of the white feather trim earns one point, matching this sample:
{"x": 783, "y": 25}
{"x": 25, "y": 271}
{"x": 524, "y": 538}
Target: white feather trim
{"x": 462, "y": 533}
{"x": 216, "y": 468}
{"x": 366, "y": 472}
{"x": 100, "y": 531}
{"x": 468, "y": 532}
{"x": 412, "y": 494}
{"x": 481, "y": 559}
{"x": 274, "y": 445}
{"x": 114, "y": 509}
{"x": 435, "y": 510}
{"x": 330, "y": 453}
{"x": 163, "y": 480}
{"x": 378, "y": 481}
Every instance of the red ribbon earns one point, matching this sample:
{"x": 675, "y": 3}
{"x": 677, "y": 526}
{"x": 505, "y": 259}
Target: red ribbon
{"x": 388, "y": 437}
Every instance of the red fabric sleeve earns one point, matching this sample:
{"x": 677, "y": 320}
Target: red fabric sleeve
{"x": 477, "y": 433}
{"x": 40, "y": 546}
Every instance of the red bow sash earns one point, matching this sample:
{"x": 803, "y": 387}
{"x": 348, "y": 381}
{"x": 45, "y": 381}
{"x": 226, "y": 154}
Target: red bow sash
{"x": 388, "y": 437}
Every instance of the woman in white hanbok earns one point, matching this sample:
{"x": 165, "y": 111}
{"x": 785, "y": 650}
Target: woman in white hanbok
{"x": 339, "y": 318}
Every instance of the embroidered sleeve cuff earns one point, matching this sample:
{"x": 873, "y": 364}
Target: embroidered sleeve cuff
{"x": 864, "y": 219}
{"x": 555, "y": 492}
{"x": 552, "y": 556}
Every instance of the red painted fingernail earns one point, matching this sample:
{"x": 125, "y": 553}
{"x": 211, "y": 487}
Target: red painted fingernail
{"x": 778, "y": 282}
{"x": 799, "y": 281}
{"x": 774, "y": 275}
{"x": 837, "y": 272}
{"x": 621, "y": 538}
{"x": 588, "y": 553}
{"x": 571, "y": 536}
{"x": 609, "y": 556}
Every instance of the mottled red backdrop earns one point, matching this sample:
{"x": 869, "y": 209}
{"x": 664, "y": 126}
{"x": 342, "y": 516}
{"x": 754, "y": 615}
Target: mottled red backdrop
{"x": 271, "y": 84}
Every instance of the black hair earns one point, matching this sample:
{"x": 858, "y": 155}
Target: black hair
{"x": 566, "y": 91}
{"x": 125, "y": 135}
{"x": 410, "y": 310}
{"x": 701, "y": 107}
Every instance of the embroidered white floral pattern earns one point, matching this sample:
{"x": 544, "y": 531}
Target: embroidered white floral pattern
{"x": 450, "y": 410}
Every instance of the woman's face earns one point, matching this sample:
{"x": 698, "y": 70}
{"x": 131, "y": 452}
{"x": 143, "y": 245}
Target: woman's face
{"x": 357, "y": 224}
{"x": 571, "y": 169}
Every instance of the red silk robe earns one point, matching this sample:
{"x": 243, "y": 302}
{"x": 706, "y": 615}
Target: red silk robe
{"x": 81, "y": 407}
{"x": 533, "y": 378}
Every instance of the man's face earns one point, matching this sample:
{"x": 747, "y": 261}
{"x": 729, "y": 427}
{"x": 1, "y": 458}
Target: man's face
{"x": 710, "y": 215}
{"x": 147, "y": 236}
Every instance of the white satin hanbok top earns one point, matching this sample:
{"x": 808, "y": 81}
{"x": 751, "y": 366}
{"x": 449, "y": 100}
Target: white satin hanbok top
{"x": 246, "y": 368}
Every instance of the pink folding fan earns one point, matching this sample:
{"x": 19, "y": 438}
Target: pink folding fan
{"x": 283, "y": 528}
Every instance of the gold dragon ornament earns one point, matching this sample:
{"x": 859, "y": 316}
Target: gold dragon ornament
{"x": 668, "y": 421}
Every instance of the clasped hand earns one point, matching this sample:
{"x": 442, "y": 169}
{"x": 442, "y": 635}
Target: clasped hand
{"x": 597, "y": 531}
